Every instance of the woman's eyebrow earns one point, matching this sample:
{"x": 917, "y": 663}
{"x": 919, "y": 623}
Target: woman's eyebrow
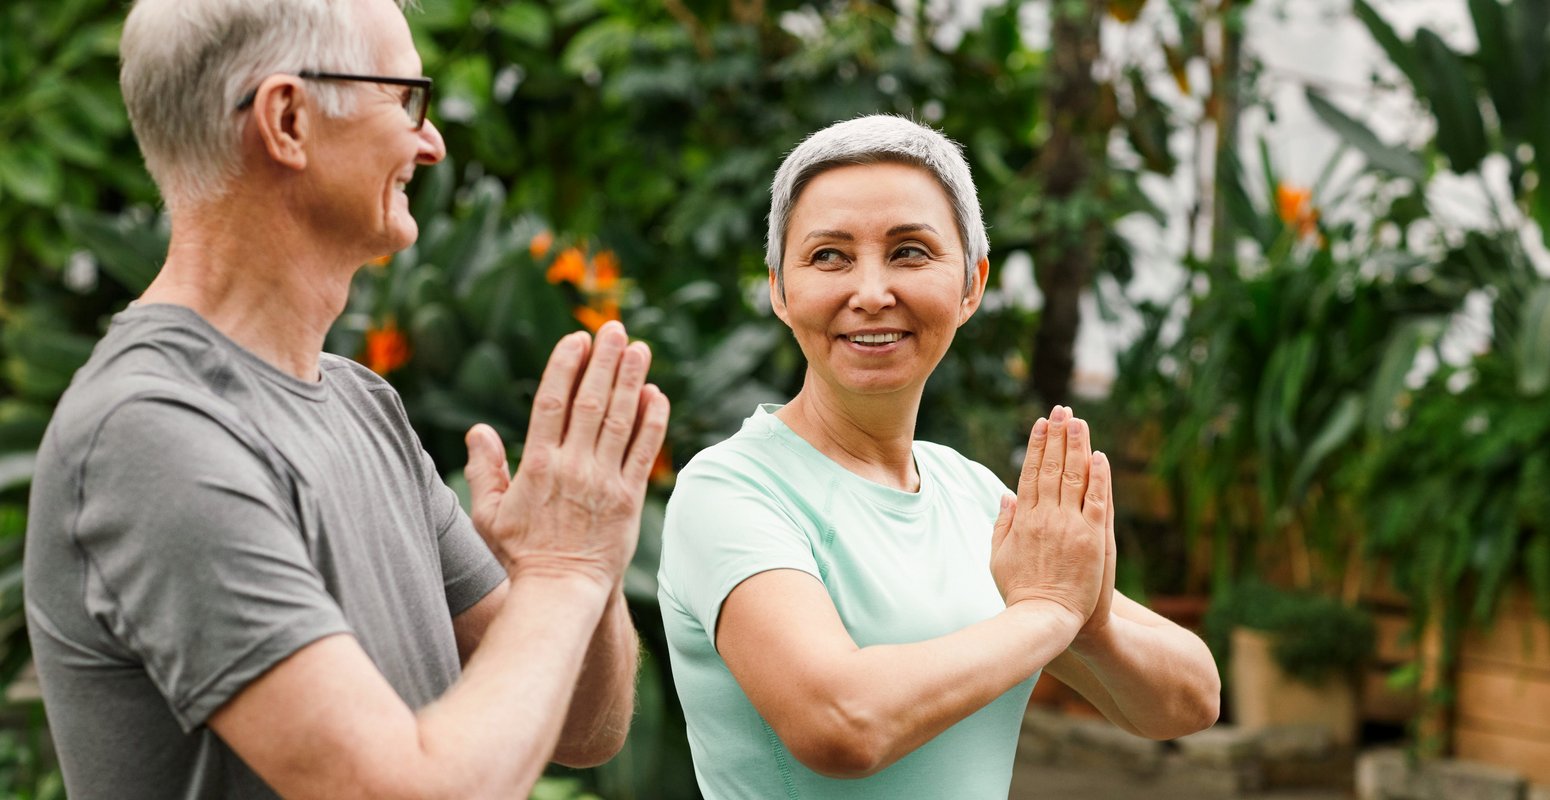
{"x": 911, "y": 227}
{"x": 842, "y": 235}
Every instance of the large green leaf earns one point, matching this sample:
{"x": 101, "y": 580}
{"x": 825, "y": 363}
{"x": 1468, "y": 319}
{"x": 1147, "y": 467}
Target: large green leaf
{"x": 1460, "y": 128}
{"x": 131, "y": 251}
{"x": 29, "y": 172}
{"x": 526, "y": 22}
{"x": 1533, "y": 344}
{"x": 1399, "y": 51}
{"x": 1338, "y": 427}
{"x": 1389, "y": 382}
{"x": 1498, "y": 57}
{"x": 1396, "y": 161}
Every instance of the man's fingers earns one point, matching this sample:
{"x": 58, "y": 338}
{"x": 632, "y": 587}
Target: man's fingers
{"x": 1028, "y": 480}
{"x": 1100, "y": 494}
{"x": 1073, "y": 480}
{"x": 552, "y": 401}
{"x": 486, "y": 471}
{"x": 1054, "y": 461}
{"x": 620, "y": 423}
{"x": 648, "y": 439}
{"x": 1003, "y": 524}
{"x": 592, "y": 396}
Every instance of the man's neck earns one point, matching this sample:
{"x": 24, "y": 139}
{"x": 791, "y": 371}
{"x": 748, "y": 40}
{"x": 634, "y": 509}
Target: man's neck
{"x": 257, "y": 281}
{"x": 872, "y": 436}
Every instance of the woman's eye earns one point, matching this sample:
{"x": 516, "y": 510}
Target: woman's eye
{"x": 828, "y": 257}
{"x": 910, "y": 252}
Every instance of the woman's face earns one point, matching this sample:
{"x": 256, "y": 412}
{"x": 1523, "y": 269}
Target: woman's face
{"x": 874, "y": 277}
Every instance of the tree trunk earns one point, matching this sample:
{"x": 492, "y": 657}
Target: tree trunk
{"x": 1072, "y": 167}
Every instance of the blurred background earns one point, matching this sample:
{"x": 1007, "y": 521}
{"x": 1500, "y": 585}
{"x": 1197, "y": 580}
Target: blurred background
{"x": 1288, "y": 257}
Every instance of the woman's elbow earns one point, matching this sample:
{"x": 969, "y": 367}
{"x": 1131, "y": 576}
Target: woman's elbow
{"x": 1193, "y": 709}
{"x": 839, "y": 744}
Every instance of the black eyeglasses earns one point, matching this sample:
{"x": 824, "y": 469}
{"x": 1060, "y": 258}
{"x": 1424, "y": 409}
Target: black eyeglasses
{"x": 416, "y": 101}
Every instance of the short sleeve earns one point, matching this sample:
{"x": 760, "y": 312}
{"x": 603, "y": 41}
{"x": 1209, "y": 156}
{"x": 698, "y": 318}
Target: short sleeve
{"x": 724, "y": 526}
{"x": 196, "y": 560}
{"x": 469, "y": 571}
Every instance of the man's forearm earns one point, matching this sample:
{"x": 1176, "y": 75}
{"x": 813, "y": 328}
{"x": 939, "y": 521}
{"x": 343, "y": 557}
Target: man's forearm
{"x": 503, "y": 718}
{"x": 604, "y": 700}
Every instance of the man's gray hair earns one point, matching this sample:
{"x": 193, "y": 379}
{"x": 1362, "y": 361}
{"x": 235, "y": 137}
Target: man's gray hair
{"x": 879, "y": 138}
{"x": 187, "y": 63}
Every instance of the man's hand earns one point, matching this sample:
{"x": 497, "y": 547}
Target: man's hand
{"x": 1048, "y": 544}
{"x": 574, "y": 506}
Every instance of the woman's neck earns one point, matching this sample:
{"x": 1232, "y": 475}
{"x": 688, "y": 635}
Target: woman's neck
{"x": 869, "y": 435}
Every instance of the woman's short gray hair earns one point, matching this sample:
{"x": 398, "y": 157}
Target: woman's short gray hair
{"x": 878, "y": 138}
{"x": 187, "y": 63}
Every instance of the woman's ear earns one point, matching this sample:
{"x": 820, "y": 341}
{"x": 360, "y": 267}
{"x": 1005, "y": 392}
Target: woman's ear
{"x": 778, "y": 299}
{"x": 976, "y": 292}
{"x": 283, "y": 120}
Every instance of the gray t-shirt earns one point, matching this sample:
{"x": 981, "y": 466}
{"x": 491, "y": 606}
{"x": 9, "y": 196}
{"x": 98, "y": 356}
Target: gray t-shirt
{"x": 198, "y": 516}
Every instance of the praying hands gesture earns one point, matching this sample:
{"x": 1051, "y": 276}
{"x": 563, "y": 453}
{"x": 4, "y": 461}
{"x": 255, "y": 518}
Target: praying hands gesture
{"x": 1054, "y": 542}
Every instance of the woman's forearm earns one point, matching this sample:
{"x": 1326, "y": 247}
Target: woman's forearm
{"x": 1154, "y": 680}
{"x": 887, "y": 700}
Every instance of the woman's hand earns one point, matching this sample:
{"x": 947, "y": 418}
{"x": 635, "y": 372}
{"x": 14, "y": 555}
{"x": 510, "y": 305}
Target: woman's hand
{"x": 1054, "y": 542}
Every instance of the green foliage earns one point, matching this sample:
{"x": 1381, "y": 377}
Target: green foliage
{"x": 27, "y": 769}
{"x": 1280, "y": 365}
{"x": 64, "y": 126}
{"x": 1313, "y": 637}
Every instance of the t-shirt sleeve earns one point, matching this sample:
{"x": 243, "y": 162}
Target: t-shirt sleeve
{"x": 469, "y": 571}
{"x": 723, "y": 527}
{"x": 197, "y": 561}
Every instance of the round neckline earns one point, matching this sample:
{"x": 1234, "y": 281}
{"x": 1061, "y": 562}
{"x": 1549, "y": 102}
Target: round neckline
{"x": 897, "y": 499}
{"x": 311, "y": 390}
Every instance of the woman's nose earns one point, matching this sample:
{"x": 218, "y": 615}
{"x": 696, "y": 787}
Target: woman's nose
{"x": 873, "y": 291}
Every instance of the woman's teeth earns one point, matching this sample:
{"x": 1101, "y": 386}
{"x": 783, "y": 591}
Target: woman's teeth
{"x": 875, "y": 338}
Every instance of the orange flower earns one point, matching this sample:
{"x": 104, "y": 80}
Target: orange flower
{"x": 569, "y": 267}
{"x": 539, "y": 246}
{"x": 1294, "y": 205}
{"x": 387, "y": 348}
{"x": 605, "y": 271}
{"x": 593, "y": 316}
{"x": 662, "y": 468}
{"x": 381, "y": 261}
{"x": 1125, "y": 10}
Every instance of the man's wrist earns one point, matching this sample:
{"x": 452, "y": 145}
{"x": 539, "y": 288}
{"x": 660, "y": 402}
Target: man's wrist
{"x": 564, "y": 570}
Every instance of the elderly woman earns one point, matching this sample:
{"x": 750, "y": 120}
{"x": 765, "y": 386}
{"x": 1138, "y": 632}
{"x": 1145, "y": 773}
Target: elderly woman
{"x": 851, "y": 612}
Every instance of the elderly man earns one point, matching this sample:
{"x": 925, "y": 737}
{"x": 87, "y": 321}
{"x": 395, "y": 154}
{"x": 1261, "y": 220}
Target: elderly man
{"x": 244, "y": 577}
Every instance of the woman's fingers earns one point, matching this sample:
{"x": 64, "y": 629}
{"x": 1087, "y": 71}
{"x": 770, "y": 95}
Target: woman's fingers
{"x": 1097, "y": 503}
{"x": 1003, "y": 524}
{"x": 1054, "y": 462}
{"x": 1073, "y": 480}
{"x": 1028, "y": 479}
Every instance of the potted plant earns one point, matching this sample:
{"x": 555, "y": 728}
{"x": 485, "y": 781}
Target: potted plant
{"x": 1293, "y": 658}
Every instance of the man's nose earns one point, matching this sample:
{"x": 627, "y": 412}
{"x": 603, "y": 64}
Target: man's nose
{"x": 432, "y": 147}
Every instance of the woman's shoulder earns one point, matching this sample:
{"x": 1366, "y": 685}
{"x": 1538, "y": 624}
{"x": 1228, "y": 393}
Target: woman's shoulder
{"x": 956, "y": 469}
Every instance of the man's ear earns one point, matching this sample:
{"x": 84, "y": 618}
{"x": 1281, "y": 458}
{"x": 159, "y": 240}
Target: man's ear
{"x": 283, "y": 119}
{"x": 976, "y": 293}
{"x": 778, "y": 300}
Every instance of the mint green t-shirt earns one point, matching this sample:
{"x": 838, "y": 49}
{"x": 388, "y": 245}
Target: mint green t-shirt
{"x": 901, "y": 567}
